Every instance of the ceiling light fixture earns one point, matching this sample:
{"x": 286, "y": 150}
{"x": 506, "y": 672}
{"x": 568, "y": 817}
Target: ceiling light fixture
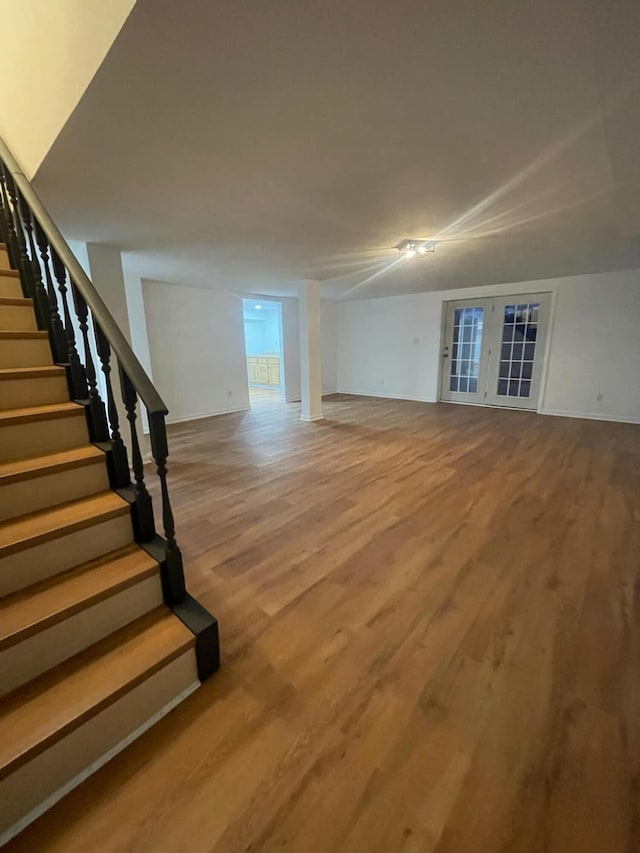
{"x": 258, "y": 307}
{"x": 410, "y": 248}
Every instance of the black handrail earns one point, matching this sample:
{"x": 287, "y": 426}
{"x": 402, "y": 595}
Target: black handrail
{"x": 101, "y": 314}
{"x": 87, "y": 342}
{"x": 70, "y": 310}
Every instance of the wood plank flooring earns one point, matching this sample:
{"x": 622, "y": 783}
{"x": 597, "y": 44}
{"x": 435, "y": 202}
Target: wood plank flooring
{"x": 431, "y": 641}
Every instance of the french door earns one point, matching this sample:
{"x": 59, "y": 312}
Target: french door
{"x": 493, "y": 350}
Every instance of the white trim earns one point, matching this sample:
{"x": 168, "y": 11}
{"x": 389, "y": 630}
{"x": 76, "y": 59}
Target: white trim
{"x": 307, "y": 420}
{"x": 386, "y": 396}
{"x": 95, "y": 766}
{"x": 547, "y": 349}
{"x": 198, "y": 417}
{"x": 590, "y": 416}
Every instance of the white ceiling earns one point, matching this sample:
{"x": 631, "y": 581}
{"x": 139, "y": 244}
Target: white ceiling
{"x": 248, "y": 144}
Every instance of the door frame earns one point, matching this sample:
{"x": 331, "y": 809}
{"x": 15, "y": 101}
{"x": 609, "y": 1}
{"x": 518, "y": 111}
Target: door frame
{"x": 500, "y": 303}
{"x": 486, "y": 292}
{"x": 257, "y": 297}
{"x": 446, "y": 357}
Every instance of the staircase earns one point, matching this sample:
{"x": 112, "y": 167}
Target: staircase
{"x": 98, "y": 636}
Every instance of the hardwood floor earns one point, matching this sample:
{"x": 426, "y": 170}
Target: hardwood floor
{"x": 258, "y": 396}
{"x": 431, "y": 641}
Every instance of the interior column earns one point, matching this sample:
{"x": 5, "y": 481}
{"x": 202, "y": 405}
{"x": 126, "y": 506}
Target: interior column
{"x": 310, "y": 356}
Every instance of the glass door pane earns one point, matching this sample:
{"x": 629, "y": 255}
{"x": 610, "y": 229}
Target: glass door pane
{"x": 464, "y": 355}
{"x": 517, "y": 351}
{"x": 467, "y": 346}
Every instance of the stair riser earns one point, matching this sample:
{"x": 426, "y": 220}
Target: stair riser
{"x": 42, "y": 561}
{"x": 52, "y": 489}
{"x": 4, "y": 260}
{"x": 10, "y": 286}
{"x": 40, "y": 437}
{"x": 20, "y": 317}
{"x": 35, "y": 655}
{"x": 40, "y": 391}
{"x": 25, "y": 353}
{"x": 35, "y": 786}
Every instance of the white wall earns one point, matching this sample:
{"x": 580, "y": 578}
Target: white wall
{"x": 291, "y": 350}
{"x": 50, "y": 53}
{"x": 196, "y": 342}
{"x": 595, "y": 348}
{"x": 329, "y": 346}
{"x": 391, "y": 347}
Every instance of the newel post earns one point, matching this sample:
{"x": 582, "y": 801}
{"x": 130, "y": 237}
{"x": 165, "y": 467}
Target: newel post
{"x": 173, "y": 578}
{"x": 143, "y": 524}
{"x": 118, "y": 461}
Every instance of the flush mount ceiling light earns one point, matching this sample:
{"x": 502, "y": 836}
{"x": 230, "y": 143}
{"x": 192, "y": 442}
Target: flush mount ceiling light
{"x": 411, "y": 248}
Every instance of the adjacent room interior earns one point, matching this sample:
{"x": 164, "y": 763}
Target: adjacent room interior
{"x": 265, "y": 355}
{"x": 320, "y": 427}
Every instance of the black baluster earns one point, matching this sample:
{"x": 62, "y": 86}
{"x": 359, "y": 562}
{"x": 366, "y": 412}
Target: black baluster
{"x": 118, "y": 462}
{"x": 97, "y": 417}
{"x": 35, "y": 287}
{"x": 173, "y": 574}
{"x": 8, "y": 231}
{"x": 58, "y": 336}
{"x": 23, "y": 262}
{"x": 4, "y": 235}
{"x": 143, "y": 524}
{"x": 77, "y": 377}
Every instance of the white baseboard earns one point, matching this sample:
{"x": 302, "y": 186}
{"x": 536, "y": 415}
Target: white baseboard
{"x": 385, "y": 396}
{"x": 203, "y": 415}
{"x": 307, "y": 420}
{"x": 589, "y": 416}
{"x": 592, "y": 416}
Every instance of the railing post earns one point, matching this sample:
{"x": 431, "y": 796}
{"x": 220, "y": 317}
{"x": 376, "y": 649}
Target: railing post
{"x": 33, "y": 275}
{"x": 143, "y": 524}
{"x": 173, "y": 579}
{"x": 77, "y": 376}
{"x": 8, "y": 233}
{"x": 98, "y": 430}
{"x": 119, "y": 464}
{"x": 59, "y": 339}
{"x": 25, "y": 265}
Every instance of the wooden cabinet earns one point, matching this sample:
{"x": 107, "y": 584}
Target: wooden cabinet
{"x": 264, "y": 370}
{"x": 252, "y": 370}
{"x": 274, "y": 371}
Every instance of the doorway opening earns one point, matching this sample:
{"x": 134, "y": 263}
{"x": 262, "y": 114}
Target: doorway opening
{"x": 265, "y": 354}
{"x": 494, "y": 350}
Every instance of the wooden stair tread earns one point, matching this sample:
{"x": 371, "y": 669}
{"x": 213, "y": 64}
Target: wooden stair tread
{"x": 34, "y": 466}
{"x": 9, "y": 273}
{"x": 42, "y": 712}
{"x": 40, "y": 413}
{"x": 15, "y": 300}
{"x": 16, "y": 534}
{"x": 47, "y": 370}
{"x": 17, "y": 334}
{"x": 30, "y": 610}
